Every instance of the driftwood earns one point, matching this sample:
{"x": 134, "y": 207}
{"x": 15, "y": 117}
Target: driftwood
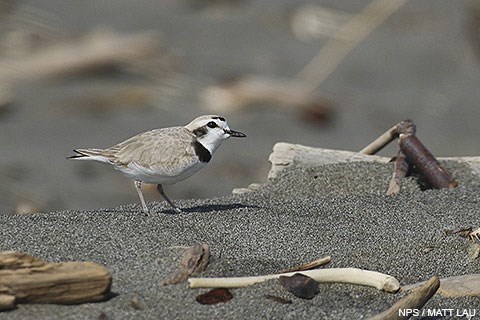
{"x": 25, "y": 279}
{"x": 285, "y": 155}
{"x": 311, "y": 22}
{"x": 455, "y": 287}
{"x": 250, "y": 90}
{"x": 413, "y": 301}
{"x": 412, "y": 154}
{"x": 94, "y": 50}
{"x": 341, "y": 275}
{"x": 310, "y": 265}
{"x": 7, "y": 301}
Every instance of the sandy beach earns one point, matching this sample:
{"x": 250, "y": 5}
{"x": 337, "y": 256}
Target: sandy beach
{"x": 306, "y": 213}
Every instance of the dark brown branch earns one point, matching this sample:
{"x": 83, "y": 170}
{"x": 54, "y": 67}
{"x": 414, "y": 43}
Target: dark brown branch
{"x": 412, "y": 153}
{"x": 425, "y": 163}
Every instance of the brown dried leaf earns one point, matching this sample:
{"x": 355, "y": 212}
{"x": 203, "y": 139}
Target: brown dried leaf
{"x": 300, "y": 285}
{"x": 215, "y": 296}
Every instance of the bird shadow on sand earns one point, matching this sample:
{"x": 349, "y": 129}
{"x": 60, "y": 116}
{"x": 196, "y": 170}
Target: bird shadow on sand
{"x": 209, "y": 208}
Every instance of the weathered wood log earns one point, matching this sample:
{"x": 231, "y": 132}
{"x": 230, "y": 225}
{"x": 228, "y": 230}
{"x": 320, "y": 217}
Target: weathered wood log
{"x": 454, "y": 287}
{"x": 32, "y": 280}
{"x": 17, "y": 260}
{"x": 285, "y": 155}
{"x": 7, "y": 302}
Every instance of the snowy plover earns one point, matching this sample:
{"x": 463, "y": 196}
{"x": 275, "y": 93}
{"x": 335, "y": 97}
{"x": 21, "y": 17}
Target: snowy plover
{"x": 164, "y": 156}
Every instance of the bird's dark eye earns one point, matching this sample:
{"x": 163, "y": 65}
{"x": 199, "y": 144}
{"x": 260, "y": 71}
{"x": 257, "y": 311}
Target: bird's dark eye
{"x": 211, "y": 124}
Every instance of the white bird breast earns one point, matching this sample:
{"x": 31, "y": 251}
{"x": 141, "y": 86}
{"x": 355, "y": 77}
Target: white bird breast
{"x": 158, "y": 175}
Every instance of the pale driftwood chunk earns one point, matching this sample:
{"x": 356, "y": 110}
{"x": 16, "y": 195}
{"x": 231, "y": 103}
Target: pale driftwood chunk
{"x": 98, "y": 49}
{"x": 285, "y": 155}
{"x": 454, "y": 287}
{"x": 7, "y": 302}
{"x": 31, "y": 280}
{"x": 16, "y": 260}
{"x": 415, "y": 300}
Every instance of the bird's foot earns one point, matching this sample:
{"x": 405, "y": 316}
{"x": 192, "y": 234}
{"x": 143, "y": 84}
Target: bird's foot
{"x": 178, "y": 210}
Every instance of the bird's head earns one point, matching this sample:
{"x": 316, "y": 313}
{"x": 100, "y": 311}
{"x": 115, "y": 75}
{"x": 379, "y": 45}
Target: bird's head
{"x": 211, "y": 131}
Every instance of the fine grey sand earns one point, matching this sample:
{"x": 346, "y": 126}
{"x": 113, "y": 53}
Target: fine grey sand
{"x": 308, "y": 212}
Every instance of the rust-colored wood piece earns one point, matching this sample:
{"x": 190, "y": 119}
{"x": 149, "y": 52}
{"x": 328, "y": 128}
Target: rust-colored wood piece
{"x": 425, "y": 163}
{"x": 31, "y": 280}
{"x": 412, "y": 154}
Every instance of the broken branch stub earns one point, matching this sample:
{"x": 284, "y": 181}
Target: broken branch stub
{"x": 425, "y": 162}
{"x": 400, "y": 171}
{"x": 412, "y": 153}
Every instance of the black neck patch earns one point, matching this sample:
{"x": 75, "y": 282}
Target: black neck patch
{"x": 202, "y": 153}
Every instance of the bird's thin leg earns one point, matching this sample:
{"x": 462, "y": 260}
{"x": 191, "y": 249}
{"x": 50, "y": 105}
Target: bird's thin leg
{"x": 160, "y": 190}
{"x": 138, "y": 187}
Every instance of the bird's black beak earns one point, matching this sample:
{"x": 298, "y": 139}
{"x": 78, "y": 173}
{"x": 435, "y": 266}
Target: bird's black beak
{"x": 235, "y": 134}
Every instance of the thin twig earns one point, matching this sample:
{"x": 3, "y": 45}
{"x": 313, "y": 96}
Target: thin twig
{"x": 379, "y": 143}
{"x": 310, "y": 265}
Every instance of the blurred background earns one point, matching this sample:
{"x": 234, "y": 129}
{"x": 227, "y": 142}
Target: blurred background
{"x": 331, "y": 74}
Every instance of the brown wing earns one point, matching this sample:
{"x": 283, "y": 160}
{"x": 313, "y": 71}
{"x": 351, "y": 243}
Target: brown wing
{"x": 163, "y": 150}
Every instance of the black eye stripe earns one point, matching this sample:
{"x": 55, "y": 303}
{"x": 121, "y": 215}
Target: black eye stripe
{"x": 219, "y": 118}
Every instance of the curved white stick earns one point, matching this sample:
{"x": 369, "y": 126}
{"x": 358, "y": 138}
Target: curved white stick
{"x": 343, "y": 275}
